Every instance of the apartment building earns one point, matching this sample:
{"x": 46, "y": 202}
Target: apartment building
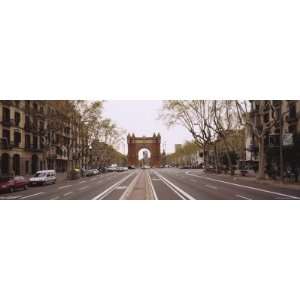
{"x": 286, "y": 128}
{"x": 31, "y": 140}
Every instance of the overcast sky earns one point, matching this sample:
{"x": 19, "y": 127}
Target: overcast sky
{"x": 141, "y": 118}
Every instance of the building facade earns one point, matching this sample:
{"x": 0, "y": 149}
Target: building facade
{"x": 283, "y": 135}
{"x": 30, "y": 139}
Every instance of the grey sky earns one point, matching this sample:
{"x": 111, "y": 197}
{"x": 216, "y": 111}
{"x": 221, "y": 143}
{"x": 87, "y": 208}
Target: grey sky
{"x": 141, "y": 118}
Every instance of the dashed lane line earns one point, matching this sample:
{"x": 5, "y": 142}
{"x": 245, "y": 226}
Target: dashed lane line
{"x": 33, "y": 195}
{"x": 243, "y": 197}
{"x": 243, "y": 186}
{"x": 83, "y": 188}
{"x": 211, "y": 186}
{"x": 64, "y": 186}
{"x": 83, "y": 181}
{"x": 67, "y": 194}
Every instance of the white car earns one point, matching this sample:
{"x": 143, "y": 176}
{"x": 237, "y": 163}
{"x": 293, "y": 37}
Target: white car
{"x": 43, "y": 177}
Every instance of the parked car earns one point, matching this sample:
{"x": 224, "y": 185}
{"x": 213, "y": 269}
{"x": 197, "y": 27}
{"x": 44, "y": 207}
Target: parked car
{"x": 121, "y": 169}
{"x": 131, "y": 167}
{"x": 111, "y": 169}
{"x": 43, "y": 177}
{"x": 102, "y": 169}
{"x": 74, "y": 174}
{"x": 92, "y": 172}
{"x": 10, "y": 183}
{"x": 96, "y": 172}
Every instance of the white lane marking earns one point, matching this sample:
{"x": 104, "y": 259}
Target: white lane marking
{"x": 211, "y": 186}
{"x": 64, "y": 186}
{"x": 243, "y": 197}
{"x": 111, "y": 188}
{"x": 32, "y": 195}
{"x": 83, "y": 181}
{"x": 122, "y": 187}
{"x": 69, "y": 193}
{"x": 83, "y": 188}
{"x": 156, "y": 179}
{"x": 152, "y": 187}
{"x": 130, "y": 187}
{"x": 55, "y": 198}
{"x": 175, "y": 188}
{"x": 244, "y": 186}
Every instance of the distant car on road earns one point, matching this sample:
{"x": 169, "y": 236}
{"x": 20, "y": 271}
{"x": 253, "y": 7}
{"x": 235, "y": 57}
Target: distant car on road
{"x": 92, "y": 172}
{"x": 145, "y": 167}
{"x": 9, "y": 183}
{"x": 112, "y": 168}
{"x": 121, "y": 169}
{"x": 131, "y": 167}
{"x": 43, "y": 177}
{"x": 102, "y": 169}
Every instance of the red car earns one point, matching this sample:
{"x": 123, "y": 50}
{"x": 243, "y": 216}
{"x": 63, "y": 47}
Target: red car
{"x": 8, "y": 183}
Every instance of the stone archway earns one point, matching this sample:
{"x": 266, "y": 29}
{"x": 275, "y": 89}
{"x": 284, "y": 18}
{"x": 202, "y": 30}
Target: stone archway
{"x": 135, "y": 144}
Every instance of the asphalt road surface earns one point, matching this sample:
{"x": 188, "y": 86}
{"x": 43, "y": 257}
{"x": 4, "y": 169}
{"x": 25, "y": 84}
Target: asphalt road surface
{"x": 156, "y": 184}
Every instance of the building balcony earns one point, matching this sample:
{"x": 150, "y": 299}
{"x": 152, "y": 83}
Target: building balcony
{"x": 32, "y": 148}
{"x": 8, "y": 122}
{"x": 5, "y": 144}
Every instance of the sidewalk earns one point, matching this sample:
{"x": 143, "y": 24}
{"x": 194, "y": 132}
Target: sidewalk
{"x": 252, "y": 179}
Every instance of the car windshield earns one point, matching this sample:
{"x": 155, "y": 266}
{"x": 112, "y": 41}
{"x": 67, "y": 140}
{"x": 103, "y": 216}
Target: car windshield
{"x": 39, "y": 174}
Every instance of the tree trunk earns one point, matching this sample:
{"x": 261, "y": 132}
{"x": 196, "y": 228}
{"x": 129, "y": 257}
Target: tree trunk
{"x": 261, "y": 165}
{"x": 230, "y": 166}
{"x": 204, "y": 157}
{"x": 216, "y": 160}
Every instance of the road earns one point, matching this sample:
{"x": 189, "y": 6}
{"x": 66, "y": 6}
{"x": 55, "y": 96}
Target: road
{"x": 156, "y": 184}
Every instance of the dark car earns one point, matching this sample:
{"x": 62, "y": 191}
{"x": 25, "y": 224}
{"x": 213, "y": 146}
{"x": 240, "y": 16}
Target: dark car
{"x": 10, "y": 184}
{"x": 102, "y": 169}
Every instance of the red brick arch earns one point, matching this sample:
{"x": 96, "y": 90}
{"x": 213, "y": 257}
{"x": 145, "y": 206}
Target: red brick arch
{"x": 135, "y": 144}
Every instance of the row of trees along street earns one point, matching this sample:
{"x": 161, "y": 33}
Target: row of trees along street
{"x": 209, "y": 121}
{"x": 86, "y": 127}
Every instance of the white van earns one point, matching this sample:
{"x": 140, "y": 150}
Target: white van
{"x": 43, "y": 177}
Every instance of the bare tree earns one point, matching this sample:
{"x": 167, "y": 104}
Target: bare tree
{"x": 225, "y": 123}
{"x": 195, "y": 116}
{"x": 260, "y": 116}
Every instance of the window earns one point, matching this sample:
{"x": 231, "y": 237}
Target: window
{"x": 6, "y": 114}
{"x": 27, "y": 123}
{"x": 17, "y": 118}
{"x": 6, "y": 135}
{"x": 35, "y": 142}
{"x": 27, "y": 141}
{"x": 17, "y": 138}
{"x": 292, "y": 111}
